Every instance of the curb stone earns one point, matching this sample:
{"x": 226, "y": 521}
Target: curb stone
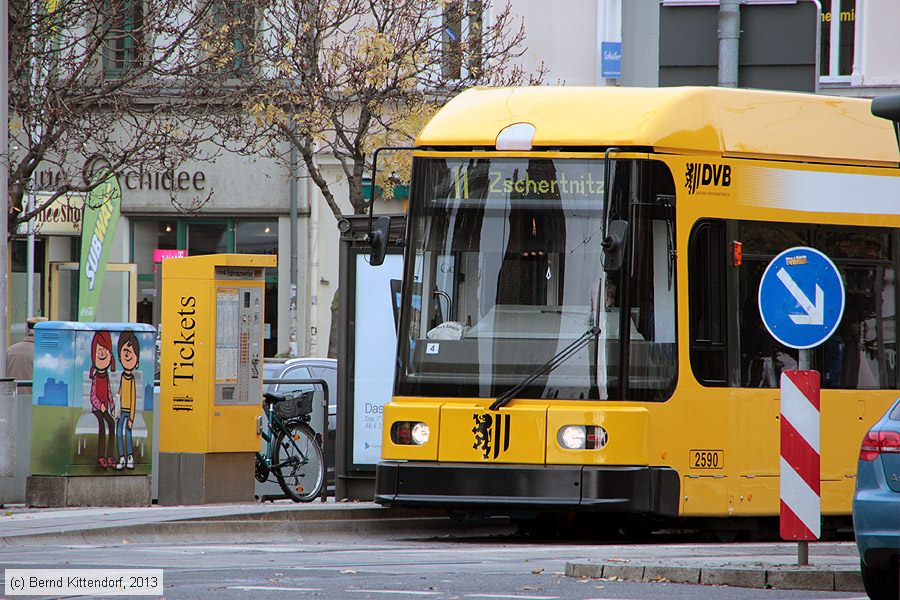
{"x": 672, "y": 574}
{"x": 822, "y": 581}
{"x": 813, "y": 580}
{"x": 848, "y": 581}
{"x": 751, "y": 578}
{"x": 630, "y": 572}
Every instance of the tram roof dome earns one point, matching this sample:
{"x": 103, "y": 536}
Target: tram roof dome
{"x": 678, "y": 120}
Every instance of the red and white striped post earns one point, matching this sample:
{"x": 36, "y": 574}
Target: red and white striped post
{"x": 801, "y": 511}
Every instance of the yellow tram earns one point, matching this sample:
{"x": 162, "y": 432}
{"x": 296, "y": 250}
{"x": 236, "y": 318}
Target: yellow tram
{"x": 579, "y": 327}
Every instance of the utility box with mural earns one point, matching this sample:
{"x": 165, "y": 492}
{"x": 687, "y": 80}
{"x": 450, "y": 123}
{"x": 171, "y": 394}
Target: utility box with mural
{"x": 92, "y": 413}
{"x": 211, "y": 370}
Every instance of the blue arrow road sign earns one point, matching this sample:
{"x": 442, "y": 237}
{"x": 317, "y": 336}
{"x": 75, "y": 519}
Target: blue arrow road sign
{"x": 801, "y": 297}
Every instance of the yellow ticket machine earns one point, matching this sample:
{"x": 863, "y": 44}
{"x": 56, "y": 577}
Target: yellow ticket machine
{"x": 211, "y": 372}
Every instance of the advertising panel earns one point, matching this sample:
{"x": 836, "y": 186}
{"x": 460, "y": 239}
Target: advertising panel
{"x": 101, "y": 213}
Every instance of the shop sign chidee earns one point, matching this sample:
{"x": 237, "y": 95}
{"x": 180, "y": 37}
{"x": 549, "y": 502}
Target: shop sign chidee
{"x": 62, "y": 217}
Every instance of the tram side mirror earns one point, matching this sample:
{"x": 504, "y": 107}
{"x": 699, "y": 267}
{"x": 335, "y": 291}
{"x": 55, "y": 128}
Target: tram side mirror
{"x": 614, "y": 245}
{"x": 378, "y": 240}
{"x": 888, "y": 107}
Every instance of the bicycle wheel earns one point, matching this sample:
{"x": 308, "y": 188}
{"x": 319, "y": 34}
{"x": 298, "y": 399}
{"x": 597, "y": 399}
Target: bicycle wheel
{"x": 302, "y": 476}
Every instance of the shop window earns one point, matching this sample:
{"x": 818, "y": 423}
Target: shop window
{"x": 261, "y": 237}
{"x": 256, "y": 237}
{"x": 838, "y": 38}
{"x": 19, "y": 285}
{"x": 207, "y": 238}
{"x": 124, "y": 44}
{"x": 167, "y": 237}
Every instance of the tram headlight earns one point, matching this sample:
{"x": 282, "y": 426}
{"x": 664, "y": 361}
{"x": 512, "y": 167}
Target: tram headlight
{"x": 572, "y": 437}
{"x": 410, "y": 433}
{"x": 582, "y": 437}
{"x": 420, "y": 433}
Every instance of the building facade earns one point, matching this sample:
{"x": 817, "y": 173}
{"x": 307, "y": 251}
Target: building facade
{"x": 248, "y": 199}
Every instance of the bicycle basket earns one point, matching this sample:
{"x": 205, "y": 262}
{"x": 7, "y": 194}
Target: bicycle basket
{"x": 294, "y": 406}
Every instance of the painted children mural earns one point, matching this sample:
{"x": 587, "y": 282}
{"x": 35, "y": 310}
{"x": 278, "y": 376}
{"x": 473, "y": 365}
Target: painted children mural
{"x": 102, "y": 405}
{"x": 129, "y": 351}
{"x": 90, "y": 380}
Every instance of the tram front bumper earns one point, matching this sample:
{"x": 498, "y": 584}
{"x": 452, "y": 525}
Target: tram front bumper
{"x": 645, "y": 490}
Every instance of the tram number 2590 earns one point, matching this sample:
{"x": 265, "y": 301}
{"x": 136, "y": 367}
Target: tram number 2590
{"x": 707, "y": 459}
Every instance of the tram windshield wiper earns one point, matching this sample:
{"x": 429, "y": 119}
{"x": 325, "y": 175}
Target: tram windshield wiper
{"x": 557, "y": 359}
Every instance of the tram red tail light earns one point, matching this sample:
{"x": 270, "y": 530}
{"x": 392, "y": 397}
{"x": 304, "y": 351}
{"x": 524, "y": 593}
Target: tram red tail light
{"x": 401, "y": 433}
{"x": 879, "y": 442}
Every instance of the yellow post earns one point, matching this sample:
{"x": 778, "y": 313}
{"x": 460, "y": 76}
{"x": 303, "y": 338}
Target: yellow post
{"x": 211, "y": 370}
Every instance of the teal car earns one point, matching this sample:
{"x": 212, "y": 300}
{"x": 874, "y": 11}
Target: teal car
{"x": 876, "y": 507}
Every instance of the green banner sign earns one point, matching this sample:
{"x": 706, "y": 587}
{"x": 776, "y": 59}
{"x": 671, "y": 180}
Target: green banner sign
{"x": 101, "y": 213}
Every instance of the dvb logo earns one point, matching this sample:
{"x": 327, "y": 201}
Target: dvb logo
{"x": 704, "y": 174}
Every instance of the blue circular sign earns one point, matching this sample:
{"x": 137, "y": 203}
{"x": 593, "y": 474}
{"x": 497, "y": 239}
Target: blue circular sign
{"x": 801, "y": 297}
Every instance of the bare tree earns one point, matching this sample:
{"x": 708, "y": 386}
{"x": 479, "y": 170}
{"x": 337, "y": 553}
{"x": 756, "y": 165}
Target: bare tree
{"x": 344, "y": 77}
{"x": 348, "y": 76}
{"x": 118, "y": 84}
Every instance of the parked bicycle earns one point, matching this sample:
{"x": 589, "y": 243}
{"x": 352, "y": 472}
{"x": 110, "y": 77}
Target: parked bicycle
{"x": 293, "y": 450}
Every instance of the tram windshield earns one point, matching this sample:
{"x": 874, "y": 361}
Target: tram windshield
{"x": 505, "y": 273}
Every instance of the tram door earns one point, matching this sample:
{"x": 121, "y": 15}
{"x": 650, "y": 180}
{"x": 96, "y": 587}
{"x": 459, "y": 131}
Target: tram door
{"x": 118, "y": 300}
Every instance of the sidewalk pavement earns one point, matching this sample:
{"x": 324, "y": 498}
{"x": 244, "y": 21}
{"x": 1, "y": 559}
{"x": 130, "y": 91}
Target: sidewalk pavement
{"x": 834, "y": 566}
{"x": 278, "y": 521}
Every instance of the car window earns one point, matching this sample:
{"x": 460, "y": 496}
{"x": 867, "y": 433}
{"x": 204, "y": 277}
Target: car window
{"x": 297, "y": 372}
{"x": 895, "y": 413}
{"x": 330, "y": 376}
{"x": 271, "y": 371}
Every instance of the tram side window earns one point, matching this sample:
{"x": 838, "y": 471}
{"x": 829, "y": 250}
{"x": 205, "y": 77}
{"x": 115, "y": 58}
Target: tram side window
{"x": 708, "y": 317}
{"x": 861, "y": 354}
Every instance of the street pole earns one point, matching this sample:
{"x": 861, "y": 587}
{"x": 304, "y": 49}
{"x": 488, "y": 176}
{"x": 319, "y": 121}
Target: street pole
{"x": 292, "y": 337}
{"x": 29, "y": 256}
{"x": 729, "y": 42}
{"x": 804, "y": 364}
{"x": 35, "y": 75}
{"x": 4, "y": 177}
